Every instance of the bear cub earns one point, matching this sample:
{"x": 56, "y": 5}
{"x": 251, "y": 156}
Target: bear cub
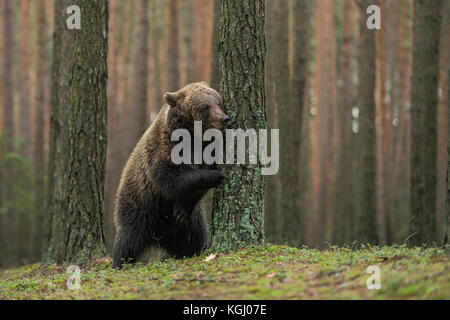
{"x": 157, "y": 202}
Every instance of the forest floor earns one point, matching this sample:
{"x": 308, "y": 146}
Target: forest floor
{"x": 263, "y": 272}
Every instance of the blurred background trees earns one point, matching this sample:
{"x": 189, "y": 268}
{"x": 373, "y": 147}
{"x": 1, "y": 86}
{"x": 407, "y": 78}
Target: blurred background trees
{"x": 354, "y": 164}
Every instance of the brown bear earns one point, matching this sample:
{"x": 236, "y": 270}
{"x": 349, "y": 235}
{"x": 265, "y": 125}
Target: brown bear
{"x": 157, "y": 202}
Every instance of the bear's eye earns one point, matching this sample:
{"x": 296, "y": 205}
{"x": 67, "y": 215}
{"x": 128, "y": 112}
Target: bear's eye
{"x": 204, "y": 110}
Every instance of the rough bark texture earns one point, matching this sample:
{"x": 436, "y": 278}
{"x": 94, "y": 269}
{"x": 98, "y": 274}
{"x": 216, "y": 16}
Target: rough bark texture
{"x": 78, "y": 139}
{"x": 238, "y": 210}
{"x": 424, "y": 86}
{"x": 366, "y": 103}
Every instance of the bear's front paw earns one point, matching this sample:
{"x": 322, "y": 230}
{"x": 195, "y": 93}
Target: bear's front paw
{"x": 180, "y": 214}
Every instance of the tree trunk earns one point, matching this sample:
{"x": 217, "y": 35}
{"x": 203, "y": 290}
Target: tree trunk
{"x": 344, "y": 192}
{"x": 272, "y": 193}
{"x": 24, "y": 123}
{"x": 366, "y": 92}
{"x": 285, "y": 230}
{"x": 7, "y": 131}
{"x": 447, "y": 215}
{"x": 238, "y": 211}
{"x": 140, "y": 121}
{"x": 382, "y": 127}
{"x": 215, "y": 47}
{"x": 173, "y": 67}
{"x": 424, "y": 98}
{"x": 38, "y": 143}
{"x": 301, "y": 32}
{"x": 443, "y": 120}
{"x": 187, "y": 42}
{"x": 78, "y": 148}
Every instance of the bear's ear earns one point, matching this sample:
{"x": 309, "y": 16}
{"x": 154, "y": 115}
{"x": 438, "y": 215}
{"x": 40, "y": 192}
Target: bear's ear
{"x": 171, "y": 98}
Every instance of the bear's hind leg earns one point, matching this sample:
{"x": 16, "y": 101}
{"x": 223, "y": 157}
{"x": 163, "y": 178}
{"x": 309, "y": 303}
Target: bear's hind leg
{"x": 128, "y": 245}
{"x": 191, "y": 238}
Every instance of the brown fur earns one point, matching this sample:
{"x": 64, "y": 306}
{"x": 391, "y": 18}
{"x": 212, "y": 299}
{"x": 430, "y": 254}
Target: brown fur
{"x": 157, "y": 202}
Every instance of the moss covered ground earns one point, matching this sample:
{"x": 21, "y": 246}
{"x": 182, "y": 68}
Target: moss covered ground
{"x": 263, "y": 272}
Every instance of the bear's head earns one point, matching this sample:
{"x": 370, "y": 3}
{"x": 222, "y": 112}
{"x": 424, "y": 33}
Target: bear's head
{"x": 196, "y": 102}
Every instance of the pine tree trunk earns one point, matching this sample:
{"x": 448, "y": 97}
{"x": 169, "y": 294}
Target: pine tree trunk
{"x": 155, "y": 26}
{"x": 346, "y": 101}
{"x": 38, "y": 143}
{"x": 173, "y": 67}
{"x": 366, "y": 92}
{"x": 301, "y": 22}
{"x": 215, "y": 47}
{"x": 447, "y": 201}
{"x": 238, "y": 210}
{"x": 140, "y": 122}
{"x": 424, "y": 98}
{"x": 287, "y": 209}
{"x": 187, "y": 42}
{"x": 24, "y": 123}
{"x": 6, "y": 237}
{"x": 78, "y": 141}
{"x": 272, "y": 193}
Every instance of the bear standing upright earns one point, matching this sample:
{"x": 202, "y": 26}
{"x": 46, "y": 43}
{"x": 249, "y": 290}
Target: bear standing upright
{"x": 157, "y": 202}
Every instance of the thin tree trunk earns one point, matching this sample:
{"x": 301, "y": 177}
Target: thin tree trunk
{"x": 272, "y": 193}
{"x": 38, "y": 143}
{"x": 443, "y": 120}
{"x": 238, "y": 210}
{"x": 187, "y": 42}
{"x": 287, "y": 210}
{"x": 24, "y": 123}
{"x": 447, "y": 215}
{"x": 301, "y": 22}
{"x": 140, "y": 120}
{"x": 345, "y": 193}
{"x": 366, "y": 92}
{"x": 382, "y": 128}
{"x": 424, "y": 86}
{"x": 8, "y": 131}
{"x": 215, "y": 47}
{"x": 173, "y": 67}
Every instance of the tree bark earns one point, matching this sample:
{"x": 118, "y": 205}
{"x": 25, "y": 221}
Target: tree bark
{"x": 78, "y": 145}
{"x": 424, "y": 98}
{"x": 238, "y": 211}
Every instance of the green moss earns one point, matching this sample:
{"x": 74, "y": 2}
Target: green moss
{"x": 258, "y": 272}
